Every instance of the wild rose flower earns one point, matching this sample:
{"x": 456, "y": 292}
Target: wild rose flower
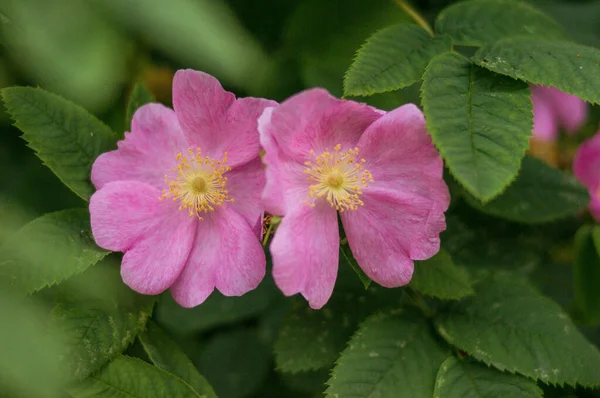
{"x": 379, "y": 170}
{"x": 181, "y": 194}
{"x": 586, "y": 167}
{"x": 553, "y": 110}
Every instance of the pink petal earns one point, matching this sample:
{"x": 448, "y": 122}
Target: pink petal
{"x": 214, "y": 120}
{"x": 156, "y": 238}
{"x": 315, "y": 120}
{"x": 305, "y": 252}
{"x": 226, "y": 255}
{"x": 399, "y": 154}
{"x": 245, "y": 185}
{"x": 586, "y": 164}
{"x": 570, "y": 111}
{"x": 148, "y": 151}
{"x": 392, "y": 229}
{"x": 545, "y": 120}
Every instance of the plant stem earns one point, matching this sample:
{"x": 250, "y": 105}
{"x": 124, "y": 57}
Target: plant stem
{"x": 415, "y": 16}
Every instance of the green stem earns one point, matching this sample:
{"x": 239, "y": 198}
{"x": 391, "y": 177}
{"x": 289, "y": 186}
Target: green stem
{"x": 267, "y": 234}
{"x": 415, "y": 16}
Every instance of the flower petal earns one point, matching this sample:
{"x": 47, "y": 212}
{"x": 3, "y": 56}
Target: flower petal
{"x": 315, "y": 120}
{"x": 569, "y": 109}
{"x": 392, "y": 229}
{"x": 147, "y": 153}
{"x": 245, "y": 185}
{"x": 545, "y": 120}
{"x": 226, "y": 255}
{"x": 305, "y": 252}
{"x": 399, "y": 154}
{"x": 586, "y": 164}
{"x": 156, "y": 238}
{"x": 214, "y": 120}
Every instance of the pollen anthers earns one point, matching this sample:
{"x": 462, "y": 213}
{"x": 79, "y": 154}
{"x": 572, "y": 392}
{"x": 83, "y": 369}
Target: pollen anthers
{"x": 200, "y": 183}
{"x": 339, "y": 177}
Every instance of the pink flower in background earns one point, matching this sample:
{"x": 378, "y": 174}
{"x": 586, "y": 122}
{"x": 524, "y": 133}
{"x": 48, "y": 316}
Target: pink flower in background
{"x": 181, "y": 194}
{"x": 553, "y": 110}
{"x": 379, "y": 170}
{"x": 586, "y": 167}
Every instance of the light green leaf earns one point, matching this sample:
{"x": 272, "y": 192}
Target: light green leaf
{"x": 65, "y": 136}
{"x": 166, "y": 355}
{"x": 509, "y": 325}
{"x": 140, "y": 95}
{"x": 391, "y": 355}
{"x": 465, "y": 379}
{"x": 48, "y": 250}
{"x": 99, "y": 315}
{"x": 586, "y": 273}
{"x": 539, "y": 194}
{"x": 440, "y": 277}
{"x": 127, "y": 377}
{"x": 393, "y": 58}
{"x": 475, "y": 22}
{"x": 570, "y": 67}
{"x": 480, "y": 122}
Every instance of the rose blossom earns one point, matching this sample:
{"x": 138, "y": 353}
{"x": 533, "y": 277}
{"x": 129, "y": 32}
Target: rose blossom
{"x": 586, "y": 167}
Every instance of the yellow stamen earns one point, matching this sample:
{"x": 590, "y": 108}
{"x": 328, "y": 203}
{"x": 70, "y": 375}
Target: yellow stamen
{"x": 339, "y": 177}
{"x": 200, "y": 183}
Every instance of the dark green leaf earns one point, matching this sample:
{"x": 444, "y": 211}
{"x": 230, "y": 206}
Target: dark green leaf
{"x": 440, "y": 277}
{"x": 392, "y": 355}
{"x": 567, "y": 66}
{"x": 539, "y": 194}
{"x": 393, "y": 58}
{"x": 586, "y": 274}
{"x": 346, "y": 254}
{"x": 166, "y": 354}
{"x": 140, "y": 95}
{"x": 476, "y": 22}
{"x": 511, "y": 326}
{"x": 48, "y": 250}
{"x": 65, "y": 136}
{"x": 127, "y": 377}
{"x": 480, "y": 122}
{"x": 99, "y": 315}
{"x": 465, "y": 379}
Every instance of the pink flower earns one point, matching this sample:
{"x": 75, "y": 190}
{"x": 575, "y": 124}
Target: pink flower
{"x": 378, "y": 170}
{"x": 553, "y": 110}
{"x": 181, "y": 194}
{"x": 586, "y": 167}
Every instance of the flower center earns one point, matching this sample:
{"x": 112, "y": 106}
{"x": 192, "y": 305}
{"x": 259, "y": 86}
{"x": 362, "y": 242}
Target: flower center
{"x": 339, "y": 177}
{"x": 200, "y": 183}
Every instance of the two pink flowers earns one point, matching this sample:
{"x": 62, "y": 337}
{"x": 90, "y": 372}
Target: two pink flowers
{"x": 185, "y": 193}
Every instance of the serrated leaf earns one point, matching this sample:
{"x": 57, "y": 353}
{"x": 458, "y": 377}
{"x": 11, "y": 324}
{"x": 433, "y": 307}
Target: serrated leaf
{"x": 140, "y": 95}
{"x": 440, "y": 277}
{"x": 391, "y": 355}
{"x": 127, "y": 377}
{"x": 393, "y": 58}
{"x": 465, "y": 379}
{"x": 475, "y": 22}
{"x": 48, "y": 250}
{"x": 99, "y": 315}
{"x": 539, "y": 194}
{"x": 586, "y": 273}
{"x": 166, "y": 355}
{"x": 480, "y": 122}
{"x": 570, "y": 67}
{"x": 509, "y": 325}
{"x": 65, "y": 136}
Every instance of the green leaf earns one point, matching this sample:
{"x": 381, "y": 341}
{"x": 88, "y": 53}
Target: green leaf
{"x": 65, "y": 136}
{"x": 440, "y": 277}
{"x": 509, "y": 325}
{"x": 127, "y": 377}
{"x": 346, "y": 254}
{"x": 391, "y": 355}
{"x": 465, "y": 379}
{"x": 393, "y": 58}
{"x": 99, "y": 315}
{"x": 539, "y": 194}
{"x": 586, "y": 273}
{"x": 48, "y": 250}
{"x": 475, "y": 22}
{"x": 140, "y": 95}
{"x": 166, "y": 355}
{"x": 480, "y": 122}
{"x": 567, "y": 66}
